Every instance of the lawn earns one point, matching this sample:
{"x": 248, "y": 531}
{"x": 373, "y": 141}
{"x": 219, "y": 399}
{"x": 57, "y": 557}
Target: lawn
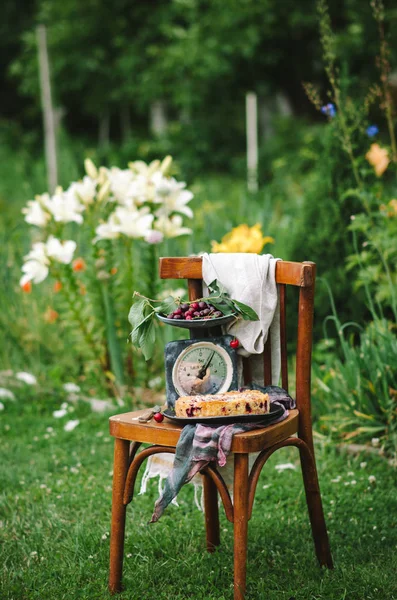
{"x": 55, "y": 515}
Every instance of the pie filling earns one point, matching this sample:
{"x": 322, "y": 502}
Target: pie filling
{"x": 248, "y": 402}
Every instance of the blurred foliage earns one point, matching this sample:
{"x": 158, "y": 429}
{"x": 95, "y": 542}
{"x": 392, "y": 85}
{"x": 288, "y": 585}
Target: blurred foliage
{"x": 113, "y": 61}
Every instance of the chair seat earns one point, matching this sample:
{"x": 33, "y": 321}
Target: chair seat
{"x": 126, "y": 426}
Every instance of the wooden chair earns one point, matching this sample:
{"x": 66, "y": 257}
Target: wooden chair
{"x": 296, "y": 431}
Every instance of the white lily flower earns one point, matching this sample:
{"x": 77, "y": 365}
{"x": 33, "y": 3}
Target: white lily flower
{"x": 35, "y": 213}
{"x": 33, "y": 271}
{"x": 172, "y": 195}
{"x": 171, "y": 227}
{"x": 84, "y": 190}
{"x": 121, "y": 184}
{"x": 142, "y": 190}
{"x": 60, "y": 251}
{"x": 133, "y": 223}
{"x": 27, "y": 378}
{"x": 36, "y": 264}
{"x": 65, "y": 207}
{"x": 108, "y": 230}
{"x": 154, "y": 237}
{"x": 38, "y": 253}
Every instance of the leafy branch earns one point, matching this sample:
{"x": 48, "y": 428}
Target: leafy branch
{"x": 144, "y": 310}
{"x": 228, "y": 306}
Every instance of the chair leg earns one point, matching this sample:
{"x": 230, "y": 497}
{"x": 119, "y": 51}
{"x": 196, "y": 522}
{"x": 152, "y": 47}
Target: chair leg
{"x": 315, "y": 507}
{"x": 120, "y": 468}
{"x": 211, "y": 513}
{"x": 240, "y": 497}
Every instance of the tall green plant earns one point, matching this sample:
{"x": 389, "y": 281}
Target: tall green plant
{"x": 360, "y": 386}
{"x": 357, "y": 392}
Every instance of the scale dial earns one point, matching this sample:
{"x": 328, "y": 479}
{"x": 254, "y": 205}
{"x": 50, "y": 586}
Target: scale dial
{"x": 202, "y": 368}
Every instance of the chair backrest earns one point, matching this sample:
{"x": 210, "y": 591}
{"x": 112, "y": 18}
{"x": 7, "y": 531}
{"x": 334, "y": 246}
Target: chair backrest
{"x": 300, "y": 275}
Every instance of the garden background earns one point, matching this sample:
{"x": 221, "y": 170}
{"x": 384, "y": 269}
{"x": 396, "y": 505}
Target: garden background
{"x": 134, "y": 83}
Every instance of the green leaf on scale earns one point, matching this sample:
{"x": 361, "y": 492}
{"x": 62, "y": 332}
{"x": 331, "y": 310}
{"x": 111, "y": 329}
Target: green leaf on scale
{"x": 137, "y": 331}
{"x": 217, "y": 287}
{"x": 168, "y": 305}
{"x": 137, "y": 312}
{"x": 147, "y": 339}
{"x": 246, "y": 312}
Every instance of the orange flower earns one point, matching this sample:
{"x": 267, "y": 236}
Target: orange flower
{"x": 113, "y": 270}
{"x": 379, "y": 158}
{"x": 78, "y": 265}
{"x": 27, "y": 287}
{"x": 57, "y": 287}
{"x": 50, "y": 315}
{"x": 393, "y": 208}
{"x": 390, "y": 208}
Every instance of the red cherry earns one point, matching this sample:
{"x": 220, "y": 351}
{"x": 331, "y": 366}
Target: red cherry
{"x": 234, "y": 343}
{"x": 194, "y": 305}
{"x": 158, "y": 417}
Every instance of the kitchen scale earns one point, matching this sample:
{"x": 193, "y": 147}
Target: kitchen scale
{"x": 203, "y": 364}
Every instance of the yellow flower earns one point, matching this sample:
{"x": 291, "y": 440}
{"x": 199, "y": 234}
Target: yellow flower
{"x": 379, "y": 158}
{"x": 243, "y": 239}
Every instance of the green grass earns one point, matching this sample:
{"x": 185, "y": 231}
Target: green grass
{"x": 55, "y": 509}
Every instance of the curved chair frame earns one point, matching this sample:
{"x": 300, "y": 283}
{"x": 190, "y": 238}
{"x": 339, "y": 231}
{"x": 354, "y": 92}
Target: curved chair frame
{"x": 295, "y": 431}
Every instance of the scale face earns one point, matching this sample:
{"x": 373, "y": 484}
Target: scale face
{"x": 195, "y": 367}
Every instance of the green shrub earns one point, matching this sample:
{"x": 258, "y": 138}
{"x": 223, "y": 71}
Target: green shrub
{"x": 357, "y": 394}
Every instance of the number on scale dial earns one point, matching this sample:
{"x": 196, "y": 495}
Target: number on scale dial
{"x": 202, "y": 368}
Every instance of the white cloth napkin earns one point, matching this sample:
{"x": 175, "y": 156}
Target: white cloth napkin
{"x": 250, "y": 278}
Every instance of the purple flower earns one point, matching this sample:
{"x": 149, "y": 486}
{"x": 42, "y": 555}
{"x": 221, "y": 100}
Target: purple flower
{"x": 329, "y": 110}
{"x": 372, "y": 130}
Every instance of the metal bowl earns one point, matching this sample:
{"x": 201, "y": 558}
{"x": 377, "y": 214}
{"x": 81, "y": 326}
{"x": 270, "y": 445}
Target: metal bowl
{"x": 198, "y": 323}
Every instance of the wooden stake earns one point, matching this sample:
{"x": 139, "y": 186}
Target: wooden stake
{"x": 48, "y": 113}
{"x": 252, "y": 141}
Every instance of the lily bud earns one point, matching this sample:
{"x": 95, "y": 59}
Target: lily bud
{"x": 90, "y": 168}
{"x": 104, "y": 190}
{"x": 165, "y": 165}
{"x": 137, "y": 166}
{"x": 103, "y": 175}
{"x": 153, "y": 167}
